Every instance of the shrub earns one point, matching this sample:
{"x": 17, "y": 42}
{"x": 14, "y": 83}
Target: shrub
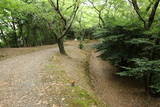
{"x": 81, "y": 46}
{"x": 134, "y": 51}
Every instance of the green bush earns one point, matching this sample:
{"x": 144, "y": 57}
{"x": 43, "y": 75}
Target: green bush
{"x": 2, "y": 44}
{"x": 134, "y": 51}
{"x": 81, "y": 46}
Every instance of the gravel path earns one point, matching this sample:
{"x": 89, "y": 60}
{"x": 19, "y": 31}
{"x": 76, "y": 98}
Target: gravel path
{"x": 20, "y": 80}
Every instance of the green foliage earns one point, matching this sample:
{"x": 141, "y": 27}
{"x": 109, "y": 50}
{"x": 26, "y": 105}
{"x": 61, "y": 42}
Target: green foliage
{"x": 132, "y": 49}
{"x": 125, "y": 42}
{"x": 81, "y": 45}
{"x": 25, "y": 23}
{"x": 2, "y": 44}
{"x": 140, "y": 67}
{"x": 83, "y": 98}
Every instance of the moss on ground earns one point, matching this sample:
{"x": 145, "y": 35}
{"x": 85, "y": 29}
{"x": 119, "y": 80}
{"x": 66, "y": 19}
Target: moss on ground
{"x": 60, "y": 79}
{"x": 83, "y": 98}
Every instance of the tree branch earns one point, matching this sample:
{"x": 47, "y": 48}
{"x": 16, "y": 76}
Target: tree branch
{"x": 99, "y": 10}
{"x": 70, "y": 24}
{"x": 149, "y": 6}
{"x": 94, "y": 5}
{"x": 136, "y": 8}
{"x": 56, "y": 9}
{"x": 57, "y": 4}
{"x": 153, "y": 12}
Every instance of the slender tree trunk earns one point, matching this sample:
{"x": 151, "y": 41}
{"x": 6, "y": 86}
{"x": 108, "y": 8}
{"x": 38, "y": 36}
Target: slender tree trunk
{"x": 152, "y": 16}
{"x": 21, "y": 34}
{"x": 101, "y": 19}
{"x": 147, "y": 23}
{"x": 3, "y": 36}
{"x": 61, "y": 46}
{"x": 15, "y": 35}
{"x": 147, "y": 81}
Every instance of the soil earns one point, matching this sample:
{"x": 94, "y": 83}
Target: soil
{"x": 12, "y": 52}
{"x": 69, "y": 74}
{"x": 117, "y": 91}
{"x": 44, "y": 78}
{"x": 20, "y": 80}
{"x": 41, "y": 77}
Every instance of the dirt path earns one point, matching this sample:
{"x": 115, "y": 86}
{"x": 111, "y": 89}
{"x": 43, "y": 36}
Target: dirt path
{"x": 20, "y": 80}
{"x": 44, "y": 79}
{"x": 12, "y": 52}
{"x": 22, "y": 85}
{"x": 116, "y": 91}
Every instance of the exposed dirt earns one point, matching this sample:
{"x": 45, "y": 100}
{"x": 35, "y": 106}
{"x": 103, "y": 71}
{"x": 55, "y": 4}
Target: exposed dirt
{"x": 12, "y": 52}
{"x": 66, "y": 70}
{"x": 44, "y": 78}
{"x": 20, "y": 80}
{"x": 116, "y": 91}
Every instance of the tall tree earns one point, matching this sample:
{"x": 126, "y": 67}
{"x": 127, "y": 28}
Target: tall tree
{"x": 99, "y": 9}
{"x": 65, "y": 17}
{"x": 147, "y": 23}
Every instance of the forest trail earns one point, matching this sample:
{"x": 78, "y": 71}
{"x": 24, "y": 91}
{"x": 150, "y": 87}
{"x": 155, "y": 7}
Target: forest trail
{"x": 20, "y": 80}
{"x": 117, "y": 91}
{"x": 42, "y": 78}
{"x": 25, "y": 81}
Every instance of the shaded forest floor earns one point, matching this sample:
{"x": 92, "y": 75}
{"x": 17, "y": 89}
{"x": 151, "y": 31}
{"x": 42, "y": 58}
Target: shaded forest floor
{"x": 118, "y": 91}
{"x": 12, "y": 52}
{"x": 41, "y": 77}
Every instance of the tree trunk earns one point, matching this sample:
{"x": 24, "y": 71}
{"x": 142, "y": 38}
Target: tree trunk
{"x": 152, "y": 15}
{"x": 61, "y": 46}
{"x": 21, "y": 34}
{"x": 101, "y": 19}
{"x": 15, "y": 35}
{"x": 149, "y": 22}
{"x": 148, "y": 82}
{"x": 3, "y": 37}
